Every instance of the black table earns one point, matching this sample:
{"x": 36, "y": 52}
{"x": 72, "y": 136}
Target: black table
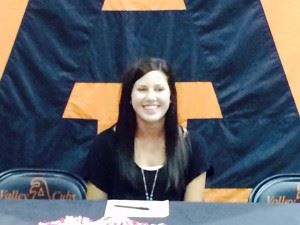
{"x": 30, "y": 212}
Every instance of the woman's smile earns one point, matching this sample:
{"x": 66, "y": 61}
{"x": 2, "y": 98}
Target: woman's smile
{"x": 150, "y": 97}
{"x": 150, "y": 107}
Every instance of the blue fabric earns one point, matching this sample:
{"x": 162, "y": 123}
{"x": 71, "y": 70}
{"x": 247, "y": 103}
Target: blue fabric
{"x": 228, "y": 43}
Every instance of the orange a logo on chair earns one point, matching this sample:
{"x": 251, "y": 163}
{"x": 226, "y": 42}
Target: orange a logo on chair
{"x": 39, "y": 189}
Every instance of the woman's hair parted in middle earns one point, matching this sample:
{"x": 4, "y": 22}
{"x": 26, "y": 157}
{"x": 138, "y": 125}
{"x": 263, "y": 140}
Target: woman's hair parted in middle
{"x": 175, "y": 143}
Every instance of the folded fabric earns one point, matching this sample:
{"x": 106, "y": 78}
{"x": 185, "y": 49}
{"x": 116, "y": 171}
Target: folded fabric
{"x": 79, "y": 220}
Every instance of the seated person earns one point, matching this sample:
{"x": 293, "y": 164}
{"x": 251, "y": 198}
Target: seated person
{"x": 146, "y": 155}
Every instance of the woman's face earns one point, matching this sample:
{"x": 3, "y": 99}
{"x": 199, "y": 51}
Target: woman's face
{"x": 150, "y": 97}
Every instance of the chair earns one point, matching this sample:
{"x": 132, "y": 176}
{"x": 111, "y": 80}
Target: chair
{"x": 18, "y": 184}
{"x": 281, "y": 188}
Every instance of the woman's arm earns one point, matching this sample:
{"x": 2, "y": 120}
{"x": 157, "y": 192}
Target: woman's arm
{"x": 94, "y": 193}
{"x": 195, "y": 189}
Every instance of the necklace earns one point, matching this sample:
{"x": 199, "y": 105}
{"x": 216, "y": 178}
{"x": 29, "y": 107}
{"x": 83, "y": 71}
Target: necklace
{"x": 153, "y": 185}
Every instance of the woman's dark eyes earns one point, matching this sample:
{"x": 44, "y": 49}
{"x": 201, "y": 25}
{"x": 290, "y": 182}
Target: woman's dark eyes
{"x": 146, "y": 89}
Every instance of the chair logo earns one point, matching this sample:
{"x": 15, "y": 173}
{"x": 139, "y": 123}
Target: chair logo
{"x": 285, "y": 199}
{"x": 12, "y": 195}
{"x": 38, "y": 189}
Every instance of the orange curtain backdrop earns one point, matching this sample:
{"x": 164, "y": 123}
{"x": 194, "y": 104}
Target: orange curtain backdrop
{"x": 145, "y": 5}
{"x": 283, "y": 18}
{"x": 11, "y": 15}
{"x": 81, "y": 104}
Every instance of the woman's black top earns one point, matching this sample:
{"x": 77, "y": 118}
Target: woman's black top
{"x": 102, "y": 171}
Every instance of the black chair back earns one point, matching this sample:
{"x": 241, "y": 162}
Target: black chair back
{"x": 18, "y": 184}
{"x": 281, "y": 188}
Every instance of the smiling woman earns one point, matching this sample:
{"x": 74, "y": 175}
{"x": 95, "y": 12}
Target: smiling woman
{"x": 146, "y": 154}
{"x": 151, "y": 97}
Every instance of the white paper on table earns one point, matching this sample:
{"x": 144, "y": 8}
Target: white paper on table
{"x": 136, "y": 208}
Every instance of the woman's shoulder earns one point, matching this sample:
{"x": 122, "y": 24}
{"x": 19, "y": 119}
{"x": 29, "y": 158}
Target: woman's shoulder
{"x": 106, "y": 137}
{"x": 199, "y": 159}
